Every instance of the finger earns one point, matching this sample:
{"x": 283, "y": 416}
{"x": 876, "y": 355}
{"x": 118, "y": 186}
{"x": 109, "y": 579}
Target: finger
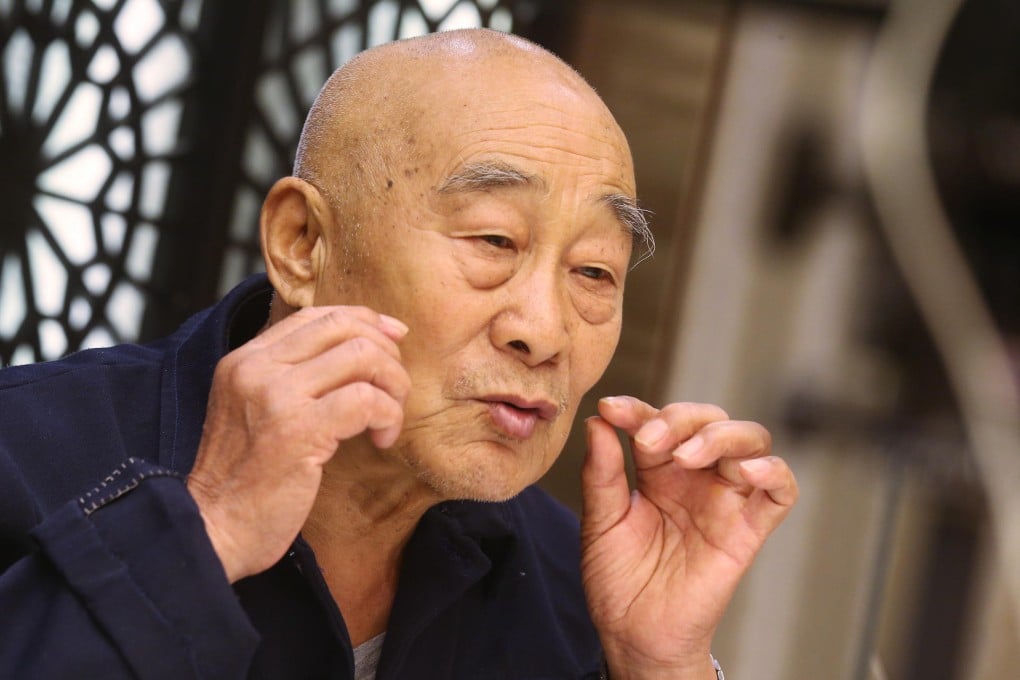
{"x": 626, "y": 413}
{"x": 652, "y": 427}
{"x": 273, "y": 332}
{"x": 392, "y": 327}
{"x": 324, "y": 331}
{"x": 360, "y": 406}
{"x": 359, "y": 359}
{"x": 776, "y": 491}
{"x": 654, "y": 432}
{"x": 604, "y": 490}
{"x": 773, "y": 475}
{"x": 724, "y": 439}
{"x": 729, "y": 469}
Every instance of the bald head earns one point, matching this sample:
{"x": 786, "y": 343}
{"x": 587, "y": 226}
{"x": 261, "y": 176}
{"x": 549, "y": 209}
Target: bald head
{"x": 375, "y": 92}
{"x": 378, "y": 111}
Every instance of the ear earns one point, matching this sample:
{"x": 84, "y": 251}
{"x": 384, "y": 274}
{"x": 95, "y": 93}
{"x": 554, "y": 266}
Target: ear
{"x": 292, "y": 233}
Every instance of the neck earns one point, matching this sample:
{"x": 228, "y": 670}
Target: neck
{"x": 366, "y": 509}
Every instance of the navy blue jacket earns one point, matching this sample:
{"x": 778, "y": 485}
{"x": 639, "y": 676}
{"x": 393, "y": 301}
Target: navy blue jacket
{"x": 106, "y": 570}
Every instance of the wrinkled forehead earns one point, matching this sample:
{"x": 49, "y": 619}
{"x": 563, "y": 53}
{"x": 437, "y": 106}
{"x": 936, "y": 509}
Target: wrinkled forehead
{"x": 527, "y": 106}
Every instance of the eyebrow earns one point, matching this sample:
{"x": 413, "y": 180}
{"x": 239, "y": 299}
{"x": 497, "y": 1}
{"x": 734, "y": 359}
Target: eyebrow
{"x": 635, "y": 220}
{"x": 488, "y": 175}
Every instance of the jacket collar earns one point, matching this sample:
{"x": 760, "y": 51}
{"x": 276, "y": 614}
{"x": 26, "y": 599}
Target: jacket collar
{"x": 191, "y": 355}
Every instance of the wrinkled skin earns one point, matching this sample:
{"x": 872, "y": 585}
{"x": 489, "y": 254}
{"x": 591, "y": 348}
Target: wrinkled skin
{"x": 449, "y": 325}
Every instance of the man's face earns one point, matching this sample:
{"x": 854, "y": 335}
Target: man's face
{"x": 495, "y": 239}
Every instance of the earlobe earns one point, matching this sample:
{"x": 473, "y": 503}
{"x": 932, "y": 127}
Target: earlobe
{"x": 292, "y": 233}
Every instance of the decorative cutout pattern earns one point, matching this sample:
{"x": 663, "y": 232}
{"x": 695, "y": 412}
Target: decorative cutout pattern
{"x": 305, "y": 41}
{"x": 92, "y": 99}
{"x": 91, "y": 95}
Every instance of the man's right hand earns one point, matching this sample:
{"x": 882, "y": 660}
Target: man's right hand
{"x": 279, "y": 407}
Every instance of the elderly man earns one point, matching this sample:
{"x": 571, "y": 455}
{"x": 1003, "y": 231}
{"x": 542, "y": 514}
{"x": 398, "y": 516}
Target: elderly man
{"x": 446, "y": 275}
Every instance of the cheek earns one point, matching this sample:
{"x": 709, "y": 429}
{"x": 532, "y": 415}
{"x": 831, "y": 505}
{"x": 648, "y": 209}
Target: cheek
{"x": 420, "y": 281}
{"x": 481, "y": 266}
{"x": 593, "y": 350}
{"x": 597, "y": 308}
{"x": 438, "y": 353}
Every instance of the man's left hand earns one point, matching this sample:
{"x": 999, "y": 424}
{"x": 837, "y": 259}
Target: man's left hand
{"x": 661, "y": 563}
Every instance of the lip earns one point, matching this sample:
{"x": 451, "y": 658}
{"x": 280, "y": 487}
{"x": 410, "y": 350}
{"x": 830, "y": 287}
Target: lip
{"x": 511, "y": 421}
{"x": 543, "y": 408}
{"x": 517, "y": 416}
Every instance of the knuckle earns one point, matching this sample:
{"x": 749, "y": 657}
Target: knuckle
{"x": 715, "y": 412}
{"x": 373, "y": 405}
{"x": 750, "y": 431}
{"x": 229, "y": 362}
{"x": 375, "y": 354}
{"x": 364, "y": 353}
{"x": 348, "y": 315}
{"x": 245, "y": 373}
{"x": 306, "y": 314}
{"x": 361, "y": 345}
{"x": 364, "y": 396}
{"x": 229, "y": 372}
{"x": 247, "y": 377}
{"x": 338, "y": 317}
{"x": 674, "y": 410}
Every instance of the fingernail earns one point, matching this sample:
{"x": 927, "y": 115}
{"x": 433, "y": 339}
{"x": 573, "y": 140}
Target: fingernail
{"x": 612, "y": 401}
{"x": 755, "y": 465}
{"x": 652, "y": 432}
{"x": 689, "y": 448}
{"x": 395, "y": 325}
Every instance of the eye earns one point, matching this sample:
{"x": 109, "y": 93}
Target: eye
{"x": 595, "y": 273}
{"x": 501, "y": 242}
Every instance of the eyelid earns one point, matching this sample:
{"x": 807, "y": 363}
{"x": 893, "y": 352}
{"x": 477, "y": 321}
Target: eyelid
{"x": 607, "y": 273}
{"x": 505, "y": 241}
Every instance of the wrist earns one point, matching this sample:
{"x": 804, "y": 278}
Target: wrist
{"x": 222, "y": 544}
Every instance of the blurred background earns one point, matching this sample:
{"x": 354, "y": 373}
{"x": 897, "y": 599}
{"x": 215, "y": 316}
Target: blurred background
{"x": 836, "y": 194}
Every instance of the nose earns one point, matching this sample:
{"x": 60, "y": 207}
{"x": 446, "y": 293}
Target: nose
{"x": 533, "y": 323}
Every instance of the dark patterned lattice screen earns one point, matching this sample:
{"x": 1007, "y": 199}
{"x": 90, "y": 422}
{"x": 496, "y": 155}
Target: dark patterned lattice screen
{"x": 90, "y": 105}
{"x": 137, "y": 138}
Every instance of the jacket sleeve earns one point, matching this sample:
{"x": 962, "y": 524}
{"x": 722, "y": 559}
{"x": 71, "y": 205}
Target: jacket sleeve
{"x": 124, "y": 583}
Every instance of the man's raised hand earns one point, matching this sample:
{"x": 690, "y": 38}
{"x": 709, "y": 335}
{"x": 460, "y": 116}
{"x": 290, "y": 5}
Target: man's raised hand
{"x": 279, "y": 407}
{"x": 661, "y": 563}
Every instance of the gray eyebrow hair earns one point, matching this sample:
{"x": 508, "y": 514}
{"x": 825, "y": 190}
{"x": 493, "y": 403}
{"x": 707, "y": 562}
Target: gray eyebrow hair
{"x": 486, "y": 175}
{"x": 635, "y": 219}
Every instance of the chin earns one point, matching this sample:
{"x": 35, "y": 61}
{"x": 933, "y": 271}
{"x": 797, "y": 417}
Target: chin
{"x": 466, "y": 489}
{"x": 492, "y": 474}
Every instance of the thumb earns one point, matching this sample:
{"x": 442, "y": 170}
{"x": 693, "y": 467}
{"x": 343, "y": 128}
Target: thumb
{"x": 604, "y": 489}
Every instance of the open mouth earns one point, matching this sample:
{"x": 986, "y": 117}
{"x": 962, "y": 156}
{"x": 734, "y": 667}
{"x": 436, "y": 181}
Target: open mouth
{"x": 522, "y": 409}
